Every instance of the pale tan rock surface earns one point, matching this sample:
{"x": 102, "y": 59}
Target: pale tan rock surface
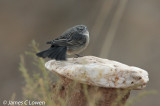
{"x": 100, "y": 72}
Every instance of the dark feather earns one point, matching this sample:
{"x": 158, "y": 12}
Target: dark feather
{"x": 55, "y": 52}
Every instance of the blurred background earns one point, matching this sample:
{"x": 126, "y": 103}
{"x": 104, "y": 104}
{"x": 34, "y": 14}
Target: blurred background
{"x": 127, "y": 31}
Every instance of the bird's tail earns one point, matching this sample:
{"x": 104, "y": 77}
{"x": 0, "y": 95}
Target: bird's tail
{"x": 55, "y": 52}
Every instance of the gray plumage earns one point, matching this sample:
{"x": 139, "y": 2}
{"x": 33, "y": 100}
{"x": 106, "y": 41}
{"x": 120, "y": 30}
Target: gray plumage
{"x": 71, "y": 42}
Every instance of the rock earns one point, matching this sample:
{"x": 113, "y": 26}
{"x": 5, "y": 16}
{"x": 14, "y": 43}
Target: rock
{"x": 100, "y": 72}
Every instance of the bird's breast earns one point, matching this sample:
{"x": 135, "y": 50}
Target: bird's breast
{"x": 77, "y": 49}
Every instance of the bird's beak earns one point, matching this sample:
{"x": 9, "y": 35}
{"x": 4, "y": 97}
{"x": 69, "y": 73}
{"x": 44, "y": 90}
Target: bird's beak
{"x": 86, "y": 32}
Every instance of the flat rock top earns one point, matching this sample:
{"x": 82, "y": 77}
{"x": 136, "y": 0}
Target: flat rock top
{"x": 100, "y": 72}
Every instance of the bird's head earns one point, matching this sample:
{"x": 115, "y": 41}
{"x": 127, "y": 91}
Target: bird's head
{"x": 81, "y": 29}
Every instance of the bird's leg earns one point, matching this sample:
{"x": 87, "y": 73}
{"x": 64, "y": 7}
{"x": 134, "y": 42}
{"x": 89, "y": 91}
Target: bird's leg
{"x": 78, "y": 55}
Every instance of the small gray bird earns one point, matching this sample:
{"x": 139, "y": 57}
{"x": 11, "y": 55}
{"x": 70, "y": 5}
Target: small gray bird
{"x": 71, "y": 42}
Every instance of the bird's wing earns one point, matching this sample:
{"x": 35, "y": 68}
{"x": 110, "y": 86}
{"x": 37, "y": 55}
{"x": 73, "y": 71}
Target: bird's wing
{"x": 68, "y": 40}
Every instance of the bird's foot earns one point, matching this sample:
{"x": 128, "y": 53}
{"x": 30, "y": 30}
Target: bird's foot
{"x": 77, "y": 55}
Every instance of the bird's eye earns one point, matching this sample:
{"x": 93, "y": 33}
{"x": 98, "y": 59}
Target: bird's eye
{"x": 80, "y": 29}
